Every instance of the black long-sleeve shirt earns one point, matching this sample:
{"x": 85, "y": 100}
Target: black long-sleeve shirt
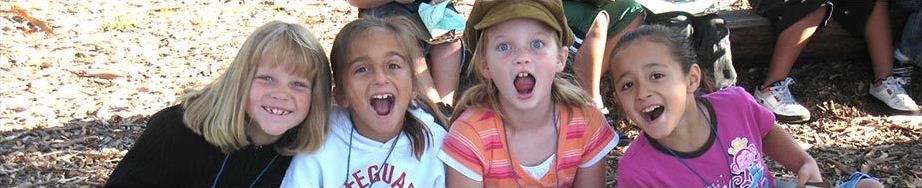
{"x": 168, "y": 154}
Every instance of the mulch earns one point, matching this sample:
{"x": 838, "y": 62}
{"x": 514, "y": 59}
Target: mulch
{"x": 81, "y": 78}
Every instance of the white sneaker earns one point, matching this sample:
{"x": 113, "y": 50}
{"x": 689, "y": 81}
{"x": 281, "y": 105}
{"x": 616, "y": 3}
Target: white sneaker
{"x": 891, "y": 92}
{"x": 779, "y": 100}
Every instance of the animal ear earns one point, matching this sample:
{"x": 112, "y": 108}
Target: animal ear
{"x": 694, "y": 78}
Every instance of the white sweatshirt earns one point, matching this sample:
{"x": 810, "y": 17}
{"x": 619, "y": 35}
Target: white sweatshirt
{"x": 327, "y": 167}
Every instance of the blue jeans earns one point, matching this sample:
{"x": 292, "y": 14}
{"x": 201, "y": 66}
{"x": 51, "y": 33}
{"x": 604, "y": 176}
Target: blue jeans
{"x": 911, "y": 42}
{"x": 852, "y": 180}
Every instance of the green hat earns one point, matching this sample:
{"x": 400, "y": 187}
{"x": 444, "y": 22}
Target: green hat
{"x": 487, "y": 13}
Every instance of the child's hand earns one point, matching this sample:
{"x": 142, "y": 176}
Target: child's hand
{"x": 809, "y": 172}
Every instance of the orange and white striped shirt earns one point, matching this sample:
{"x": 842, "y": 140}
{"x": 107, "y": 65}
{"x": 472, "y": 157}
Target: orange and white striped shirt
{"x": 476, "y": 147}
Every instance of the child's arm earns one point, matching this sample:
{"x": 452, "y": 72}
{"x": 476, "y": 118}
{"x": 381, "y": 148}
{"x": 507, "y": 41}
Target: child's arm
{"x": 594, "y": 176}
{"x": 780, "y": 146}
{"x": 453, "y": 178}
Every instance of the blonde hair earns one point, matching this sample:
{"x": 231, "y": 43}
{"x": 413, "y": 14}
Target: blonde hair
{"x": 218, "y": 111}
{"x": 405, "y": 32}
{"x": 485, "y": 94}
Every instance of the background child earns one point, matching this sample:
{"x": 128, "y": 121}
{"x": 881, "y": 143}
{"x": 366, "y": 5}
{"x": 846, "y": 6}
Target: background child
{"x": 716, "y": 140}
{"x": 797, "y": 21}
{"x": 523, "y": 125}
{"x": 375, "y": 141}
{"x": 441, "y": 81}
{"x": 279, "y": 81}
{"x": 598, "y": 25}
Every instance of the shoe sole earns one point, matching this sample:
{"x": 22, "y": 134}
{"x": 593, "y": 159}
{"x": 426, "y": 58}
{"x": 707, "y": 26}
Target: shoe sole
{"x": 792, "y": 119}
{"x": 895, "y": 112}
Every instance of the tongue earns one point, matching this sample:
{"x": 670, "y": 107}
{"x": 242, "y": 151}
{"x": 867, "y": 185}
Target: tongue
{"x": 382, "y": 106}
{"x": 656, "y": 113}
{"x": 524, "y": 84}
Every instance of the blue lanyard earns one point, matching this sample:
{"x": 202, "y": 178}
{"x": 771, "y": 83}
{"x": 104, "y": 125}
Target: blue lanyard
{"x": 719, "y": 142}
{"x": 349, "y": 156}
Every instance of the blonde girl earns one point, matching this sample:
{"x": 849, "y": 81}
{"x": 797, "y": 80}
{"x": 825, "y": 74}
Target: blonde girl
{"x": 523, "y": 125}
{"x": 242, "y": 128}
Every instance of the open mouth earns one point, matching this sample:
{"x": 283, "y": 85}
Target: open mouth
{"x": 653, "y": 112}
{"x": 276, "y": 111}
{"x": 524, "y": 83}
{"x": 382, "y": 103}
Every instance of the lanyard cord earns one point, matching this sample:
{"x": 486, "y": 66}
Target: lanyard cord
{"x": 719, "y": 142}
{"x": 221, "y": 171}
{"x": 515, "y": 176}
{"x": 349, "y": 156}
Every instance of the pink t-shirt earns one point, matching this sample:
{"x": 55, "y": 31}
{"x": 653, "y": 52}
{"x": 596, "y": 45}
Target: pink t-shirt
{"x": 734, "y": 158}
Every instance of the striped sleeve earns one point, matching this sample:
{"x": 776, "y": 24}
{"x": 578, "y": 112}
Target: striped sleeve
{"x": 600, "y": 139}
{"x": 461, "y": 150}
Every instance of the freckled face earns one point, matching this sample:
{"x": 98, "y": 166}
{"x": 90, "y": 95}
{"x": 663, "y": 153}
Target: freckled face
{"x": 278, "y": 100}
{"x": 523, "y": 57}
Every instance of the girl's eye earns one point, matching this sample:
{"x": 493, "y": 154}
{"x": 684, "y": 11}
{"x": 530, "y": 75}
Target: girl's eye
{"x": 503, "y": 47}
{"x": 265, "y": 78}
{"x": 361, "y": 70}
{"x": 393, "y": 66}
{"x": 300, "y": 85}
{"x": 537, "y": 44}
{"x": 627, "y": 86}
{"x": 657, "y": 76}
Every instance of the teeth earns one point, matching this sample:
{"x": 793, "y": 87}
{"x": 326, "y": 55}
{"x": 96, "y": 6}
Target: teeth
{"x": 381, "y": 96}
{"x": 522, "y": 74}
{"x": 651, "y": 108}
{"x": 276, "y": 111}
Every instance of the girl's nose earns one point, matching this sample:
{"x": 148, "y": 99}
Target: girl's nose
{"x": 643, "y": 92}
{"x": 282, "y": 96}
{"x": 522, "y": 58}
{"x": 381, "y": 77}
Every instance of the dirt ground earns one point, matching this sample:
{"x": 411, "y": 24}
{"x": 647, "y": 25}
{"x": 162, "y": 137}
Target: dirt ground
{"x": 80, "y": 78}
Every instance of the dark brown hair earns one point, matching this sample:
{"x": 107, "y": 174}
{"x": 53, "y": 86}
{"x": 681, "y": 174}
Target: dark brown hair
{"x": 404, "y": 30}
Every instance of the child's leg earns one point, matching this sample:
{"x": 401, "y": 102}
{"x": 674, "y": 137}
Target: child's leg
{"x": 600, "y": 37}
{"x": 886, "y": 87}
{"x": 592, "y": 60}
{"x": 613, "y": 41}
{"x": 877, "y": 35}
{"x": 790, "y": 43}
{"x": 423, "y": 78}
{"x": 446, "y": 66}
{"x": 589, "y": 58}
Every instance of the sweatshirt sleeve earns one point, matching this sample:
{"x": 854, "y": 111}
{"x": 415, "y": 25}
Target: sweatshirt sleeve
{"x": 146, "y": 163}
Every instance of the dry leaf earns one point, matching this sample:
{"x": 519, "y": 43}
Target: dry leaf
{"x": 104, "y": 74}
{"x": 34, "y": 21}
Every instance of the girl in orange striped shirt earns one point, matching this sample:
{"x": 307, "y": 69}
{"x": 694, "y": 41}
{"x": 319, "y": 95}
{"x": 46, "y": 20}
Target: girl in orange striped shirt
{"x": 524, "y": 125}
